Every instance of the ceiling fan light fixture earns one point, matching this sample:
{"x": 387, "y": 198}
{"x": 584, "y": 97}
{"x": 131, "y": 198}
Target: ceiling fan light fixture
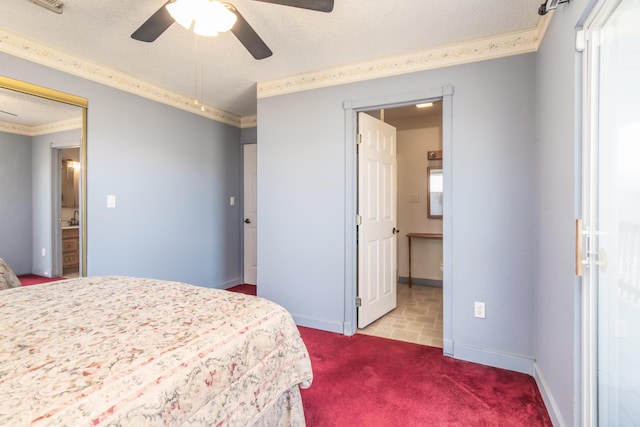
{"x": 203, "y": 17}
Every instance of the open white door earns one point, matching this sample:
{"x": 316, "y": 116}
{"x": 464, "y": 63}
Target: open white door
{"x": 250, "y": 214}
{"x": 377, "y": 242}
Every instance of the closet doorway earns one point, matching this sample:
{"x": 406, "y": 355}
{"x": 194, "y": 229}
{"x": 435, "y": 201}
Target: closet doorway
{"x": 418, "y": 315}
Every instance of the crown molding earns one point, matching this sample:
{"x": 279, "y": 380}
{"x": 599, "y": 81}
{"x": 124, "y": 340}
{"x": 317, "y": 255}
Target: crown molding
{"x": 445, "y": 56}
{"x": 45, "y": 129}
{"x": 249, "y": 122}
{"x": 15, "y": 128}
{"x": 477, "y": 50}
{"x": 30, "y": 50}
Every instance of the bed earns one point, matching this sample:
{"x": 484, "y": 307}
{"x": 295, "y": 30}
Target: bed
{"x": 121, "y": 351}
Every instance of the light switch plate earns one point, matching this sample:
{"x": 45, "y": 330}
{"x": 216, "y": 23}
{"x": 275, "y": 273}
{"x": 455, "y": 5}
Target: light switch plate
{"x": 111, "y": 201}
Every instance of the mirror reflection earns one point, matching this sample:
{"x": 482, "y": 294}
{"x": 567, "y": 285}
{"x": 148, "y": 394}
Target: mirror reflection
{"x": 42, "y": 144}
{"x": 435, "y": 185}
{"x": 70, "y": 180}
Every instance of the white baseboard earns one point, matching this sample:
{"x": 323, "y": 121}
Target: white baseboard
{"x": 447, "y": 347}
{"x": 512, "y": 362}
{"x": 230, "y": 283}
{"x": 321, "y": 324}
{"x": 547, "y": 397}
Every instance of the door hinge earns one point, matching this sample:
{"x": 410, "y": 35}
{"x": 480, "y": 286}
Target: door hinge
{"x": 358, "y": 302}
{"x": 358, "y": 138}
{"x": 358, "y": 219}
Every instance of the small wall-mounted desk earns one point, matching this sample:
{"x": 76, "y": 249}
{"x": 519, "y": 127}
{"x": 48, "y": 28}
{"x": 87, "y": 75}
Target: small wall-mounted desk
{"x": 420, "y": 236}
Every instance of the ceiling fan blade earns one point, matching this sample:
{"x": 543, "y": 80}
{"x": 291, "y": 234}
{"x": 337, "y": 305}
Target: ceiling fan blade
{"x": 154, "y": 26}
{"x": 248, "y": 36}
{"x": 318, "y": 5}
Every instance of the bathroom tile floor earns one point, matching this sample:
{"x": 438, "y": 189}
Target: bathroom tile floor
{"x": 417, "y": 317}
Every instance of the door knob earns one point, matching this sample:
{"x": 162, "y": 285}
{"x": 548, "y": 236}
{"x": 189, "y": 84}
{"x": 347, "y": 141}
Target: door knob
{"x": 395, "y": 230}
{"x": 247, "y": 221}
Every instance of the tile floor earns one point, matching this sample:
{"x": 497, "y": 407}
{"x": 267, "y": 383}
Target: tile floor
{"x": 417, "y": 317}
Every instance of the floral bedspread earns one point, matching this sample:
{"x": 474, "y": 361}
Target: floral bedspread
{"x": 141, "y": 352}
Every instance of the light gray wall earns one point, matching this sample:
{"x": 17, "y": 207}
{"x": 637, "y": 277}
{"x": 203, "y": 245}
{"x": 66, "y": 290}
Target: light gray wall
{"x": 172, "y": 173}
{"x": 556, "y": 327}
{"x": 301, "y": 199}
{"x": 15, "y": 202}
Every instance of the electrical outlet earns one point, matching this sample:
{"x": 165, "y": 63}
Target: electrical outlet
{"x": 478, "y": 309}
{"x": 44, "y": 252}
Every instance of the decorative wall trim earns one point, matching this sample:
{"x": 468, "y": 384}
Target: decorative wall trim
{"x": 45, "y": 129}
{"x": 249, "y": 122}
{"x": 33, "y": 51}
{"x": 461, "y": 53}
{"x": 58, "y": 126}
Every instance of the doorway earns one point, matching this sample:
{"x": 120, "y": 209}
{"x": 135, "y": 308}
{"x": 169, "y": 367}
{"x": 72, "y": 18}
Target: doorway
{"x": 418, "y": 314}
{"x": 67, "y": 206}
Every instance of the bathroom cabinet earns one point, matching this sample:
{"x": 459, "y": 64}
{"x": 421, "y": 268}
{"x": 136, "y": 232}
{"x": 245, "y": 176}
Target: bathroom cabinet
{"x": 70, "y": 250}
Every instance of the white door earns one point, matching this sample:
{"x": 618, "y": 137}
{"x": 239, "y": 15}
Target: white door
{"x": 612, "y": 217}
{"x": 250, "y": 214}
{"x": 377, "y": 242}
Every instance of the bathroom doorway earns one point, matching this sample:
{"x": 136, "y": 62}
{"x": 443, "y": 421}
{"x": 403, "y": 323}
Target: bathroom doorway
{"x": 418, "y": 316}
{"x": 67, "y": 211}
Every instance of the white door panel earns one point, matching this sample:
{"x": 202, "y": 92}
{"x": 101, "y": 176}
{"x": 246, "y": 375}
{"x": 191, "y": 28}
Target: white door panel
{"x": 377, "y": 242}
{"x": 250, "y": 214}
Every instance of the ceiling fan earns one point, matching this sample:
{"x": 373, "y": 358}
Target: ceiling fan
{"x": 162, "y": 19}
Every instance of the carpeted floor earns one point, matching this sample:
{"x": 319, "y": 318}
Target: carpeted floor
{"x": 244, "y": 289}
{"x": 371, "y": 381}
{"x": 32, "y": 279}
{"x": 376, "y": 382}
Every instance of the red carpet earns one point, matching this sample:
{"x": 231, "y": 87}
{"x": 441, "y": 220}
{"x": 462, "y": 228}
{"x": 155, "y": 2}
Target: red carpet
{"x": 244, "y": 289}
{"x": 32, "y": 279}
{"x": 370, "y": 381}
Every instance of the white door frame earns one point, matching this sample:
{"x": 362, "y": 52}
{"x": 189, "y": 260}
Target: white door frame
{"x": 351, "y": 108}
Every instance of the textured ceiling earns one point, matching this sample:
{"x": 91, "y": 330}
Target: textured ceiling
{"x": 27, "y": 110}
{"x": 223, "y": 74}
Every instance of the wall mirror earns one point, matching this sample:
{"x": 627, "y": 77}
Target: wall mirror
{"x": 434, "y": 192}
{"x": 70, "y": 183}
{"x": 33, "y": 112}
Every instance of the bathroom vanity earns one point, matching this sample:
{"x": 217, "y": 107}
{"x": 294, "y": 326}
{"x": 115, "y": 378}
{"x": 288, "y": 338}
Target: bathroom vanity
{"x": 70, "y": 249}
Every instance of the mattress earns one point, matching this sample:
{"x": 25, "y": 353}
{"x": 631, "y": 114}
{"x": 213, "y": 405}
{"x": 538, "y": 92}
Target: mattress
{"x": 143, "y": 352}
